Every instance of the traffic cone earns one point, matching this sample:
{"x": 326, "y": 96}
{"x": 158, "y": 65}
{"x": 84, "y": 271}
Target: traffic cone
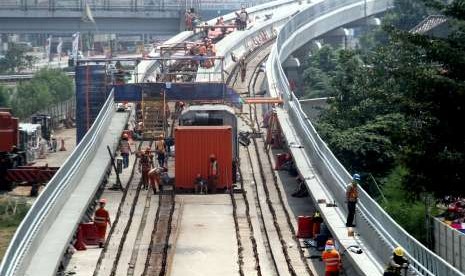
{"x": 79, "y": 244}
{"x": 62, "y": 148}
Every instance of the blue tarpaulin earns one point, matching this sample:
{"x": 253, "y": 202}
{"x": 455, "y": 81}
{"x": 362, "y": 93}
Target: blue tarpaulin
{"x": 177, "y": 92}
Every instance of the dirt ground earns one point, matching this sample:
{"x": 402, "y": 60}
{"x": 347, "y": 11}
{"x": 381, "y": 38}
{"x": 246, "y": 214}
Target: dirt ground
{"x": 53, "y": 159}
{"x": 5, "y": 236}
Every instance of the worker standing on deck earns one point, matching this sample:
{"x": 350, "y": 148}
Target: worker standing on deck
{"x": 351, "y": 198}
{"x": 332, "y": 259}
{"x": 212, "y": 174}
{"x": 145, "y": 164}
{"x": 160, "y": 149}
{"x": 397, "y": 263}
{"x": 243, "y": 67}
{"x": 243, "y": 17}
{"x": 101, "y": 219}
{"x": 125, "y": 150}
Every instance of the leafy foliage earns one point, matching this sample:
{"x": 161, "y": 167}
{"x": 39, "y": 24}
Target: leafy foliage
{"x": 16, "y": 59}
{"x": 317, "y": 75}
{"x": 48, "y": 87}
{"x": 401, "y": 103}
{"x": 4, "y": 96}
{"x": 407, "y": 211}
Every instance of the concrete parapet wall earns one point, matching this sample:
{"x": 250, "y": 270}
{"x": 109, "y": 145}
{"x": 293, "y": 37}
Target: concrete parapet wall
{"x": 449, "y": 243}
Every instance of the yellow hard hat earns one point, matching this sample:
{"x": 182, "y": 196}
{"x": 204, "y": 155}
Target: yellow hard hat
{"x": 399, "y": 251}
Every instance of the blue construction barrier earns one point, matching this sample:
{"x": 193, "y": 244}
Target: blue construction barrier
{"x": 176, "y": 92}
{"x": 91, "y": 94}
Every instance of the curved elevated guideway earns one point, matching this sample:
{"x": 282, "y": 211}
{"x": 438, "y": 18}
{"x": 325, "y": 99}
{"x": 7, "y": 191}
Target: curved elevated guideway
{"x": 45, "y": 233}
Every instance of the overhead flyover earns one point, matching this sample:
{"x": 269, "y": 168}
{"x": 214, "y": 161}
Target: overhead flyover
{"x": 324, "y": 175}
{"x": 44, "y": 235}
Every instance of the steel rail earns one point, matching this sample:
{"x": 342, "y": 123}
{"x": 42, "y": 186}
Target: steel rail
{"x": 48, "y": 204}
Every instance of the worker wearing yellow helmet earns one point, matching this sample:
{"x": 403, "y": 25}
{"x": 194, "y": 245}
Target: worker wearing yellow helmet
{"x": 398, "y": 264}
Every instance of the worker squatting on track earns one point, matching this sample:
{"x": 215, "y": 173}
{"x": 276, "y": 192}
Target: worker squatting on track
{"x": 101, "y": 219}
{"x": 332, "y": 259}
{"x": 398, "y": 264}
{"x": 200, "y": 184}
{"x": 156, "y": 178}
{"x": 352, "y": 197}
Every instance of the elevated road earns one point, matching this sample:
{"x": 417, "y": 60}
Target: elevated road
{"x": 113, "y": 16}
{"x": 325, "y": 177}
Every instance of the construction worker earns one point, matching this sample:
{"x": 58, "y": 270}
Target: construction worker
{"x": 154, "y": 178}
{"x": 145, "y": 164}
{"x": 212, "y": 173}
{"x": 243, "y": 67}
{"x": 332, "y": 259}
{"x": 101, "y": 219}
{"x": 397, "y": 263}
{"x": 241, "y": 19}
{"x": 125, "y": 149}
{"x": 160, "y": 149}
{"x": 351, "y": 198}
{"x": 138, "y": 131}
{"x": 200, "y": 184}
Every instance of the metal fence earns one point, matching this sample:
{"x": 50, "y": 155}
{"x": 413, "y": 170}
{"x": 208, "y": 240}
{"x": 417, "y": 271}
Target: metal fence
{"x": 377, "y": 228}
{"x": 61, "y": 113}
{"x": 44, "y": 210}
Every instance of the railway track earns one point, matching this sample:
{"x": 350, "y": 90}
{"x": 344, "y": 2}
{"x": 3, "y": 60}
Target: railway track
{"x": 119, "y": 246}
{"x": 274, "y": 221}
{"x": 156, "y": 263}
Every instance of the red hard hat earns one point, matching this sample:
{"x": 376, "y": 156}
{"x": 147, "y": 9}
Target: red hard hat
{"x": 329, "y": 242}
{"x": 199, "y": 175}
{"x": 125, "y": 135}
{"x": 212, "y": 157}
{"x": 102, "y": 200}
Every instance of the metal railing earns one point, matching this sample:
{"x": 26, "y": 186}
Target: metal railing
{"x": 381, "y": 231}
{"x": 51, "y": 200}
{"x": 129, "y": 5}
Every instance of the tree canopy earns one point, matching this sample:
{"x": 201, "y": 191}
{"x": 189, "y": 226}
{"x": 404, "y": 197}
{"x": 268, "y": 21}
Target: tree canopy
{"x": 48, "y": 87}
{"x": 402, "y": 103}
{"x": 16, "y": 59}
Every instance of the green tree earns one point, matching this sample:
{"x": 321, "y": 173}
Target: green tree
{"x": 60, "y": 85}
{"x": 317, "y": 75}
{"x": 31, "y": 97}
{"x": 4, "y": 96}
{"x": 15, "y": 59}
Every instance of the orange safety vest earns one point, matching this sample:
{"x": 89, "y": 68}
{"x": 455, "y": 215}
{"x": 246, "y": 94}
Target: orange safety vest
{"x": 213, "y": 168}
{"x": 332, "y": 260}
{"x": 160, "y": 146}
{"x": 101, "y": 217}
{"x": 352, "y": 193}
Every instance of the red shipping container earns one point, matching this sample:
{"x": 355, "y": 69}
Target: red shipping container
{"x": 194, "y": 145}
{"x": 8, "y": 132}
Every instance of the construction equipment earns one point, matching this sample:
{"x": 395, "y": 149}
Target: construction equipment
{"x": 154, "y": 118}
